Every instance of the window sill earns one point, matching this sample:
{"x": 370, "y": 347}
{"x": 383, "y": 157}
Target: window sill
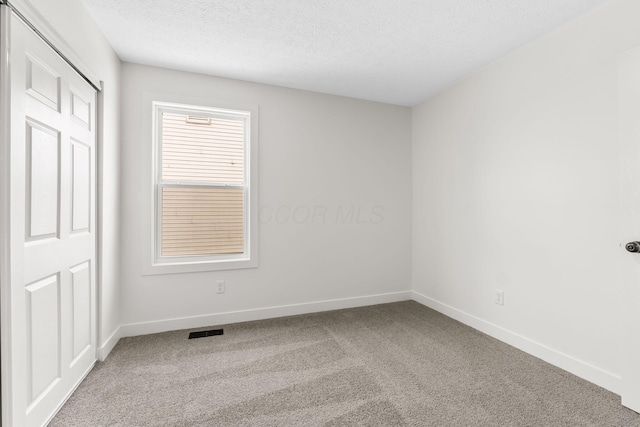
{"x": 152, "y": 269}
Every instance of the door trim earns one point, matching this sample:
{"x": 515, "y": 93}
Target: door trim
{"x": 629, "y": 278}
{"x": 5, "y": 223}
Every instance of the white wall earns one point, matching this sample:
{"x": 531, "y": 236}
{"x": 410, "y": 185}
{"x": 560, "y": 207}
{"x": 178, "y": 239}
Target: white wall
{"x": 71, "y": 20}
{"x": 515, "y": 187}
{"x": 315, "y": 151}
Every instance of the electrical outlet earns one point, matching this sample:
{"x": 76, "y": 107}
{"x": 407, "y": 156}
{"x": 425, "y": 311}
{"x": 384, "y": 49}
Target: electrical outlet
{"x": 221, "y": 286}
{"x": 499, "y": 297}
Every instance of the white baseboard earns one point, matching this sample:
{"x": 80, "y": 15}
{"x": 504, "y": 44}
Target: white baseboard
{"x": 604, "y": 379}
{"x": 135, "y": 329}
{"x": 105, "y": 349}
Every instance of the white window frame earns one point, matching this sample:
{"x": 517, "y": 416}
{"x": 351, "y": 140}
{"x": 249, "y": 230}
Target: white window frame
{"x": 154, "y": 262}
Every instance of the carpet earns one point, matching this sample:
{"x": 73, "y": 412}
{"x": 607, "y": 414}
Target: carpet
{"x": 399, "y": 364}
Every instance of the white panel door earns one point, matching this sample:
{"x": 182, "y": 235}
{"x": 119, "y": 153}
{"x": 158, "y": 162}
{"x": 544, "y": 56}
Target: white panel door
{"x": 629, "y": 271}
{"x": 52, "y": 289}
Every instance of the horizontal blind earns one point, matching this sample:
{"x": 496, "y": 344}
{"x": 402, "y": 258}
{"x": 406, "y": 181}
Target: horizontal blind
{"x": 202, "y": 221}
{"x": 207, "y": 150}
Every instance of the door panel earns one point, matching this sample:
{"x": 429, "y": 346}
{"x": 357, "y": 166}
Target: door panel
{"x": 43, "y": 336}
{"x": 42, "y": 83}
{"x": 52, "y": 234}
{"x": 81, "y": 290}
{"x": 81, "y": 192}
{"x": 81, "y": 110}
{"x": 43, "y": 181}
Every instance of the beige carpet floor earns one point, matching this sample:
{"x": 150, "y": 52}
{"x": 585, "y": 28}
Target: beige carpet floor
{"x": 398, "y": 364}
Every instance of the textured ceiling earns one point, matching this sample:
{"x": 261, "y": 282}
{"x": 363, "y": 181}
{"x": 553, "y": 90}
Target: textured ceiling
{"x": 395, "y": 51}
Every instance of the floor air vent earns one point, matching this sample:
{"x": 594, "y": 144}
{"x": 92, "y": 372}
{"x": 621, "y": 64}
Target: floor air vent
{"x": 202, "y": 334}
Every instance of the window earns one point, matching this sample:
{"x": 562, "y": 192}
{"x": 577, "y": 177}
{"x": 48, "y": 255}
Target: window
{"x": 202, "y": 188}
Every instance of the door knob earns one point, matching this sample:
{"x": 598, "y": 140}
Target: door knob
{"x": 633, "y": 247}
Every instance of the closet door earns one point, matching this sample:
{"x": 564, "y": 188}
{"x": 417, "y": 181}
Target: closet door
{"x": 52, "y": 230}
